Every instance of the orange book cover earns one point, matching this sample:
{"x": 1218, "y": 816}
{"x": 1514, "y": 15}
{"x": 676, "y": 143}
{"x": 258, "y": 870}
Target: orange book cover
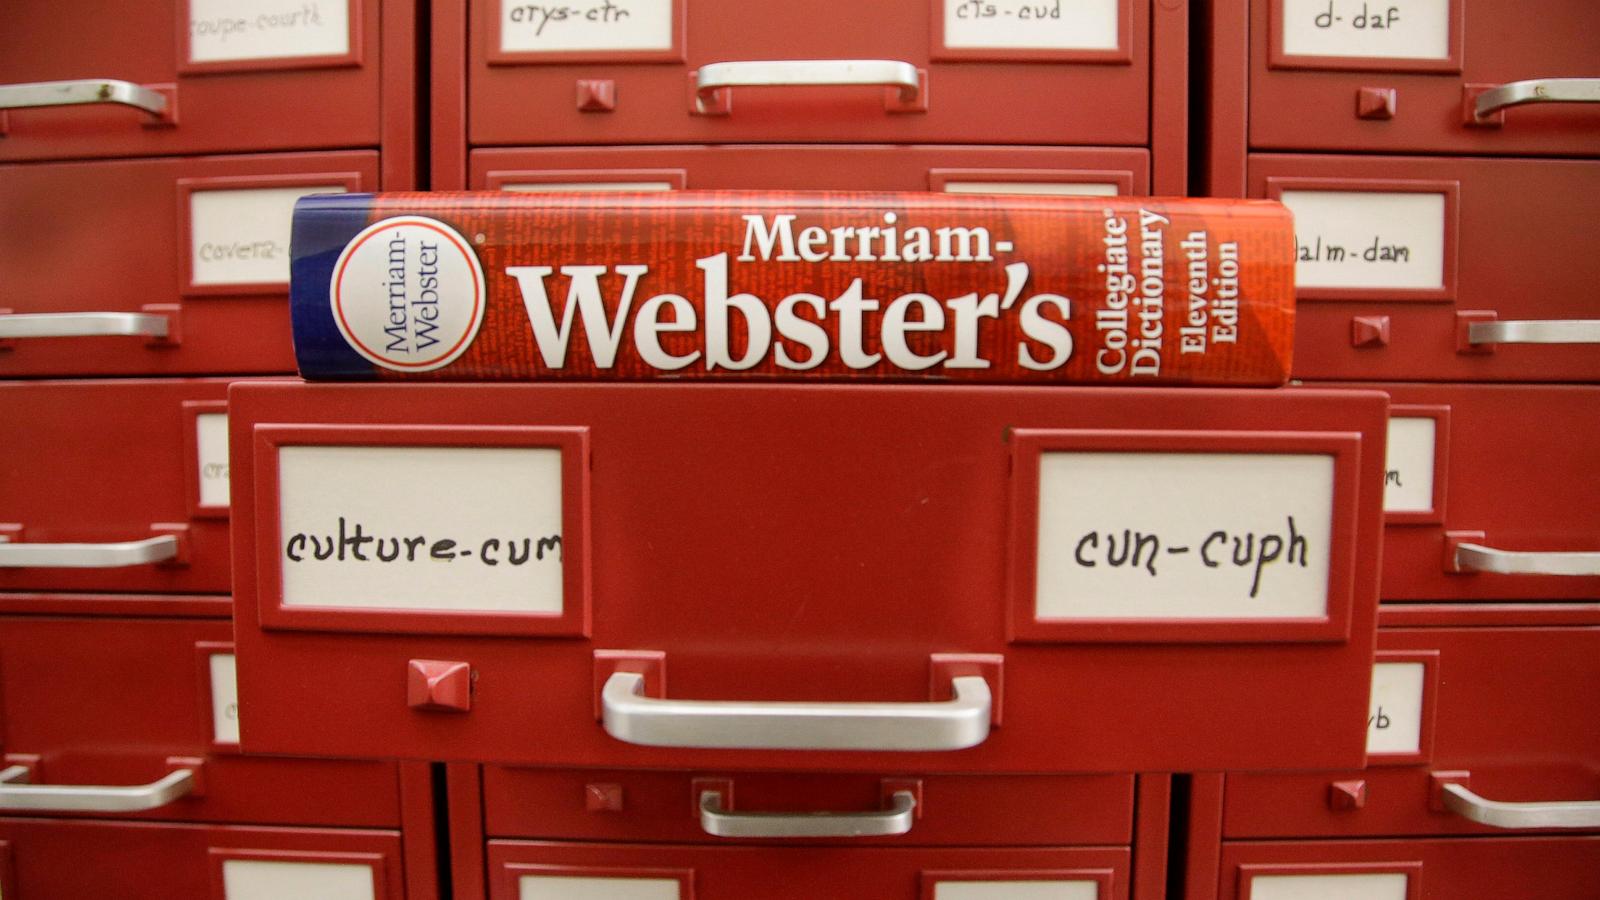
{"x": 793, "y": 285}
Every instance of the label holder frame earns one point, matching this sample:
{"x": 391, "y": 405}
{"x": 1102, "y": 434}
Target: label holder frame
{"x": 1026, "y": 626}
{"x": 574, "y": 619}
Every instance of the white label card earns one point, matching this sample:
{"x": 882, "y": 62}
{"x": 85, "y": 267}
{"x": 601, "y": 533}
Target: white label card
{"x": 1184, "y": 535}
{"x": 457, "y": 529}
{"x": 1031, "y": 24}
{"x": 1368, "y": 239}
{"x": 564, "y": 887}
{"x": 1016, "y": 890}
{"x": 1057, "y": 188}
{"x": 1365, "y": 886}
{"x": 224, "y": 699}
{"x": 1367, "y": 29}
{"x": 251, "y": 879}
{"x": 211, "y": 439}
{"x": 236, "y": 30}
{"x": 1408, "y": 470}
{"x": 1394, "y": 716}
{"x": 242, "y": 236}
{"x": 585, "y": 26}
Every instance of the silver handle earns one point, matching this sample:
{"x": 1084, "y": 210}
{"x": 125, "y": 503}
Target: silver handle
{"x": 85, "y": 324}
{"x": 717, "y": 821}
{"x": 1497, "y": 814}
{"x": 17, "y": 794}
{"x": 88, "y": 556}
{"x": 747, "y": 725}
{"x": 83, "y": 92}
{"x": 1478, "y": 558}
{"x": 1535, "y": 331}
{"x": 1538, "y": 90}
{"x": 802, "y": 72}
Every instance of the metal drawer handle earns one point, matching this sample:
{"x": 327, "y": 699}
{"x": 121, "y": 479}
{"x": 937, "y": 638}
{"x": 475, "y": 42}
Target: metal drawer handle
{"x": 1538, "y": 90}
{"x": 88, "y": 556}
{"x": 83, "y": 92}
{"x": 1535, "y": 331}
{"x": 893, "y": 73}
{"x": 1496, "y": 814}
{"x": 16, "y": 793}
{"x": 747, "y": 725}
{"x": 85, "y": 324}
{"x": 1478, "y": 558}
{"x": 717, "y": 821}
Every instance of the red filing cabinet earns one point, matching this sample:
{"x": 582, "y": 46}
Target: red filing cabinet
{"x": 164, "y": 266}
{"x": 184, "y": 77}
{"x": 880, "y": 556}
{"x": 1106, "y": 74}
{"x": 115, "y": 485}
{"x": 1488, "y": 494}
{"x": 878, "y": 167}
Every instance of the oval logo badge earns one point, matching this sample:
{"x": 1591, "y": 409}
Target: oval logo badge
{"x": 408, "y": 293}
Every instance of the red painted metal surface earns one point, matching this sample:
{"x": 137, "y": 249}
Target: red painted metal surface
{"x": 920, "y": 167}
{"x": 1153, "y": 824}
{"x": 61, "y": 860}
{"x": 116, "y": 237}
{"x": 793, "y": 873}
{"x": 364, "y": 98}
{"x": 805, "y": 543}
{"x": 1514, "y": 708}
{"x": 1551, "y": 868}
{"x": 1518, "y": 475}
{"x": 104, "y": 462}
{"x": 108, "y": 701}
{"x": 1065, "y": 98}
{"x": 1515, "y": 255}
{"x": 984, "y": 810}
{"x": 1311, "y": 103}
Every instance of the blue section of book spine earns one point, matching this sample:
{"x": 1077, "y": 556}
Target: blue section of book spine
{"x": 323, "y": 225}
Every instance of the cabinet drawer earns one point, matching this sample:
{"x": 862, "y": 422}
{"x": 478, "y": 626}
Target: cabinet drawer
{"x": 978, "y": 810}
{"x": 197, "y": 247}
{"x": 665, "y": 544}
{"x": 1406, "y": 76}
{"x": 1059, "y": 170}
{"x": 1505, "y": 711}
{"x": 1407, "y": 264}
{"x": 58, "y": 860}
{"x": 128, "y": 702}
{"x": 909, "y": 71}
{"x": 520, "y": 869}
{"x": 207, "y": 76}
{"x": 1491, "y": 494}
{"x": 98, "y": 465}
{"x": 1547, "y": 868}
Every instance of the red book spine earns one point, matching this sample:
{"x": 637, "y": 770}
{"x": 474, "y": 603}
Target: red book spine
{"x": 792, "y": 285}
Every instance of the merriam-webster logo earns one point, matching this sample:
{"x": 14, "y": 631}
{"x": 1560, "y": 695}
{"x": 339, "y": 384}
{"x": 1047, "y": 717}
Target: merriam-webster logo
{"x": 408, "y": 293}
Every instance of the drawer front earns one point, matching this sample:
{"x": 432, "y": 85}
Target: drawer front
{"x": 983, "y": 810}
{"x": 1490, "y": 493}
{"x": 1547, "y": 868}
{"x": 748, "y": 544}
{"x": 900, "y": 72}
{"x": 126, "y": 702}
{"x": 57, "y": 860}
{"x": 1406, "y": 76}
{"x": 1505, "y": 711}
{"x": 197, "y": 247}
{"x": 1055, "y": 170}
{"x": 524, "y": 869}
{"x": 1399, "y": 257}
{"x": 106, "y": 464}
{"x": 200, "y": 76}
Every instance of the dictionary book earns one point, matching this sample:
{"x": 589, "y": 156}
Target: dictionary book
{"x": 793, "y": 285}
